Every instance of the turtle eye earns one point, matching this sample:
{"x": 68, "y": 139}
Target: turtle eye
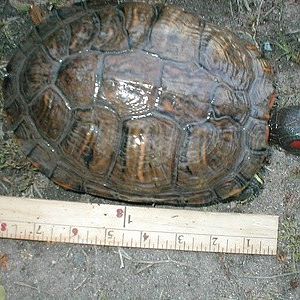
{"x": 295, "y": 145}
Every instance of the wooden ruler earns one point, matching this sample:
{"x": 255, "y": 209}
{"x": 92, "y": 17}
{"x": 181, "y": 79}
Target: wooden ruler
{"x": 136, "y": 226}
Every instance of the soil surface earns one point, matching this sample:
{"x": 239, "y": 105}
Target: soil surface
{"x": 37, "y": 270}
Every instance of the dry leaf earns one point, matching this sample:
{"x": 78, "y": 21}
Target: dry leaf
{"x": 37, "y": 15}
{"x": 4, "y": 261}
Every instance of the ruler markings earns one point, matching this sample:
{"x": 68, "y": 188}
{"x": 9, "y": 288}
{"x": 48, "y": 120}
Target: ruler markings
{"x": 124, "y": 218}
{"x": 51, "y": 236}
{"x": 177, "y": 235}
{"x": 150, "y": 231}
{"x": 70, "y": 231}
{"x": 87, "y": 235}
{"x": 122, "y": 244}
{"x": 41, "y": 220}
{"x": 141, "y": 237}
{"x": 105, "y": 234}
{"x": 34, "y": 230}
{"x": 259, "y": 246}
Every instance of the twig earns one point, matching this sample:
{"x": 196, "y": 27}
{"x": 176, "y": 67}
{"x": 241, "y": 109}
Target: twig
{"x": 29, "y": 192}
{"x": 269, "y": 11}
{"x": 4, "y": 187}
{"x": 87, "y": 260}
{"x": 293, "y": 32}
{"x": 150, "y": 263}
{"x": 32, "y": 287}
{"x": 36, "y": 189}
{"x": 140, "y": 270}
{"x": 273, "y": 276}
{"x": 85, "y": 254}
{"x": 246, "y": 4}
{"x": 81, "y": 284}
{"x": 27, "y": 285}
{"x": 11, "y": 20}
{"x": 123, "y": 253}
{"x": 257, "y": 18}
{"x": 121, "y": 259}
{"x": 268, "y": 169}
{"x": 231, "y": 9}
{"x": 68, "y": 252}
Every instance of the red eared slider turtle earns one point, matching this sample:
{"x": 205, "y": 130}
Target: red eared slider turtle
{"x": 144, "y": 103}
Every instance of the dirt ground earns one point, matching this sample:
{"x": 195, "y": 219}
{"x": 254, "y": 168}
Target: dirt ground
{"x": 37, "y": 270}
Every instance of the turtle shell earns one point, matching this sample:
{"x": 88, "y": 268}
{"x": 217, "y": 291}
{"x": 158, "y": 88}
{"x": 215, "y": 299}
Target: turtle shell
{"x": 140, "y": 103}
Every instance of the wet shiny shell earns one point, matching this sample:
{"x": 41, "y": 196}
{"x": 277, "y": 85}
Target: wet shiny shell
{"x": 140, "y": 103}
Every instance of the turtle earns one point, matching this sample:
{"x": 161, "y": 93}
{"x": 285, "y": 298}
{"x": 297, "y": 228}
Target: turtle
{"x": 145, "y": 103}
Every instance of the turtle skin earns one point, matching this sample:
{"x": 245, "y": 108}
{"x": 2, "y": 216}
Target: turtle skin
{"x": 140, "y": 103}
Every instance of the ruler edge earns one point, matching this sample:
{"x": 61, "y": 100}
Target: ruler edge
{"x": 135, "y": 247}
{"x": 134, "y": 205}
{"x": 53, "y": 203}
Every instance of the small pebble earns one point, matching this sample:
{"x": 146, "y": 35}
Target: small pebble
{"x": 267, "y": 47}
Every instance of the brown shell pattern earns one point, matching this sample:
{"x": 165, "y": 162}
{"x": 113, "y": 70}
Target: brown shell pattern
{"x": 140, "y": 103}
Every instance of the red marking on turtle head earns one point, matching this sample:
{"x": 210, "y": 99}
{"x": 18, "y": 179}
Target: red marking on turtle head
{"x": 295, "y": 145}
{"x": 272, "y": 100}
{"x": 268, "y": 134}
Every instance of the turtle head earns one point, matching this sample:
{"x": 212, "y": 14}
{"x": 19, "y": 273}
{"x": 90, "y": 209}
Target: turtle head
{"x": 285, "y": 129}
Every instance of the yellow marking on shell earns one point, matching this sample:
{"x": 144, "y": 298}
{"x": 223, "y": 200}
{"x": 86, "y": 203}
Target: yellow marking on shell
{"x": 252, "y": 47}
{"x": 235, "y": 192}
{"x": 259, "y": 178}
{"x": 88, "y": 141}
{"x": 140, "y": 169}
{"x": 204, "y": 153}
{"x": 267, "y": 68}
{"x": 64, "y": 185}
